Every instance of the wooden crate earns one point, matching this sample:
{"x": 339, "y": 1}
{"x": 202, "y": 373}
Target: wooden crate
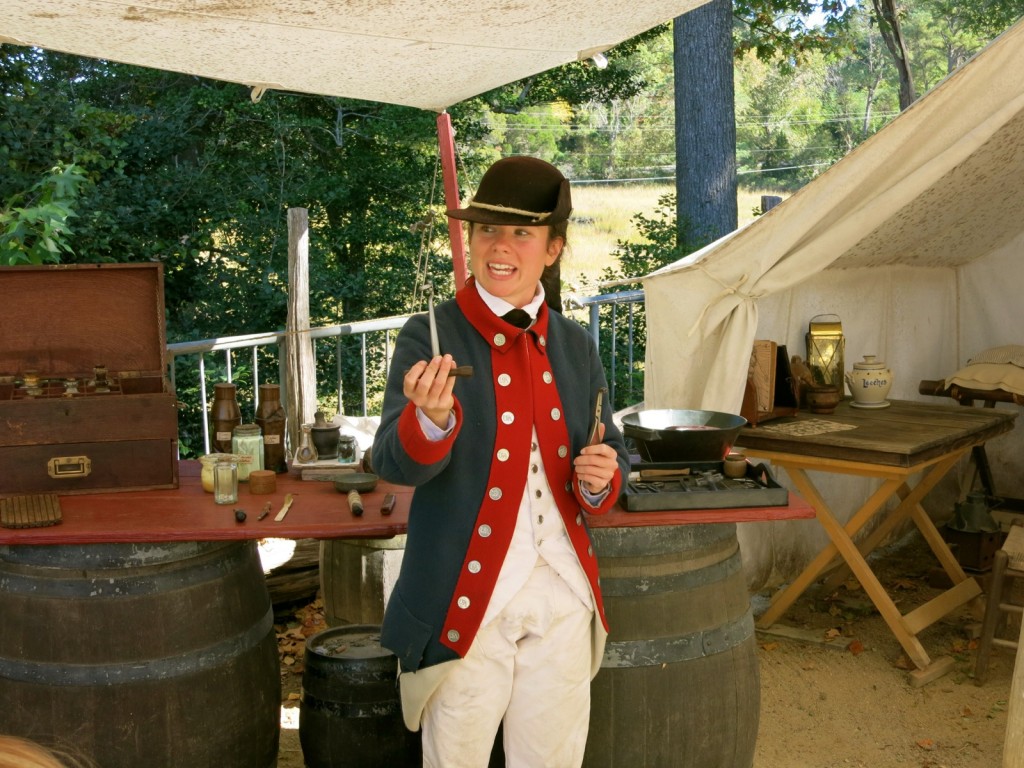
{"x": 62, "y": 321}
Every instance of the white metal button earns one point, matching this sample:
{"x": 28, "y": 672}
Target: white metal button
{"x": 463, "y": 602}
{"x": 563, "y": 451}
{"x": 543, "y": 341}
{"x": 504, "y": 379}
{"x": 555, "y": 414}
{"x": 579, "y": 518}
{"x": 503, "y": 454}
{"x": 508, "y": 417}
{"x": 499, "y": 339}
{"x": 494, "y": 494}
{"x": 590, "y": 551}
{"x": 474, "y": 566}
{"x": 484, "y": 530}
{"x": 453, "y": 635}
{"x": 548, "y": 378}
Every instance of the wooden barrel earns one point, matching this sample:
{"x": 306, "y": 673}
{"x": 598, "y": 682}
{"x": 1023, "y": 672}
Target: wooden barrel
{"x": 350, "y": 713}
{"x": 679, "y": 682}
{"x": 156, "y": 655}
{"x": 357, "y": 576}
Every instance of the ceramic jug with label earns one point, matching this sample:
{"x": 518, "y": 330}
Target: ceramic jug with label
{"x": 869, "y": 383}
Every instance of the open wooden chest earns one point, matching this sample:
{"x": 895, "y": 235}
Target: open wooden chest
{"x": 85, "y": 404}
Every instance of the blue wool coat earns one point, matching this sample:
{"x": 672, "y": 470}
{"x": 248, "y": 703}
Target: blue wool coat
{"x": 469, "y": 486}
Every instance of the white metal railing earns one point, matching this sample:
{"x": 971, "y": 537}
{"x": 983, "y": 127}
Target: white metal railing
{"x": 379, "y": 332}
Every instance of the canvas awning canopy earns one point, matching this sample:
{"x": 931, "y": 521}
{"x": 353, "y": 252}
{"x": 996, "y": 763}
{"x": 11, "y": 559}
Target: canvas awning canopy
{"x": 420, "y": 54}
{"x": 939, "y": 187}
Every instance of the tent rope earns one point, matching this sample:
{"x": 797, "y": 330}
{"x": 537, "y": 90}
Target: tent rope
{"x": 728, "y": 289}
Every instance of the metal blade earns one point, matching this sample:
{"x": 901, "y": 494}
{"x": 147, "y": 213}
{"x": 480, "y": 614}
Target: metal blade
{"x": 435, "y": 345}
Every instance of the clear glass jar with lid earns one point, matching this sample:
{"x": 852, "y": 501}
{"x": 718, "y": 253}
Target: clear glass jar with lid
{"x": 208, "y": 463}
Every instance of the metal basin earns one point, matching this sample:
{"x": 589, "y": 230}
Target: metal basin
{"x": 682, "y": 435}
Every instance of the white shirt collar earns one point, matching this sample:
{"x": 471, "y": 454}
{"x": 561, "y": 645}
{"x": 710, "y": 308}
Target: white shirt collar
{"x": 499, "y": 306}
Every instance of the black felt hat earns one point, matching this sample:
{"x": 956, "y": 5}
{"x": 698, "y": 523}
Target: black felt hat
{"x": 519, "y": 190}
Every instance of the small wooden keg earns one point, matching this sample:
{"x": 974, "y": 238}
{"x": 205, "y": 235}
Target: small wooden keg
{"x": 262, "y": 481}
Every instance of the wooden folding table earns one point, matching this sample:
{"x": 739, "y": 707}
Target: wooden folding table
{"x": 892, "y": 445}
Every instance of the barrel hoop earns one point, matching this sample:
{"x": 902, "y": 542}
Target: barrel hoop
{"x": 678, "y": 581}
{"x": 66, "y": 583}
{"x": 658, "y": 651}
{"x": 351, "y": 710}
{"x": 189, "y": 663}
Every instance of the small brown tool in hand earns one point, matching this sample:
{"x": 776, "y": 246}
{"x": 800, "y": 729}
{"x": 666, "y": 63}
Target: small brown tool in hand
{"x": 435, "y": 344}
{"x": 595, "y": 426}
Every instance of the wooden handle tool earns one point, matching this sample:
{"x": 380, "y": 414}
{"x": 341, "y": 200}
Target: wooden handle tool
{"x": 355, "y": 503}
{"x": 435, "y": 344}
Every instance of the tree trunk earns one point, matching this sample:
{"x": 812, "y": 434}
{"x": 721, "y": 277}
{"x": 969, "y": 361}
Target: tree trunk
{"x": 892, "y": 34}
{"x": 705, "y": 124}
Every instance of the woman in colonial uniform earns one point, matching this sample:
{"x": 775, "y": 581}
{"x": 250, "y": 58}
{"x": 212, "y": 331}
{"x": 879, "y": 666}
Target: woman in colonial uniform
{"x": 496, "y": 616}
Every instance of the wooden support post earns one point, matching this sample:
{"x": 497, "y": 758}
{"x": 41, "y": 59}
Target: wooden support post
{"x": 1013, "y": 746}
{"x": 300, "y": 387}
{"x": 446, "y": 143}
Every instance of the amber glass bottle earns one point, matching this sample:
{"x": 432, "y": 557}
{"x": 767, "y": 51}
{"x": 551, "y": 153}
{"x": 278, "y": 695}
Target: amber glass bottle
{"x": 225, "y": 415}
{"x": 271, "y": 420}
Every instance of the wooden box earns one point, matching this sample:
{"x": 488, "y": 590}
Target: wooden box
{"x": 770, "y": 391}
{"x": 63, "y": 324}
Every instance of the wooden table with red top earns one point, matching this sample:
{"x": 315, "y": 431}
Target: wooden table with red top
{"x": 318, "y": 512}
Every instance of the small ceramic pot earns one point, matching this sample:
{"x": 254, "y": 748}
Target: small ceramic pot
{"x": 822, "y": 399}
{"x": 734, "y": 465}
{"x": 869, "y": 383}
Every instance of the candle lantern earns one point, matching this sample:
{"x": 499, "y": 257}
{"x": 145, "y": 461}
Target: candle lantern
{"x": 825, "y": 345}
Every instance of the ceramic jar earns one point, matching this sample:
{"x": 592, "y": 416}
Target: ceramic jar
{"x": 225, "y": 415}
{"x": 326, "y": 436}
{"x": 869, "y": 383}
{"x": 270, "y": 418}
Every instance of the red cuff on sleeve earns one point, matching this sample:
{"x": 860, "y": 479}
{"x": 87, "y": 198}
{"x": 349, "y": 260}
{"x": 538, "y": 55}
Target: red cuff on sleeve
{"x": 416, "y": 444}
{"x": 609, "y": 500}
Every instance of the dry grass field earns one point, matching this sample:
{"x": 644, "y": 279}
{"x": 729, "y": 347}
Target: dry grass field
{"x": 603, "y": 215}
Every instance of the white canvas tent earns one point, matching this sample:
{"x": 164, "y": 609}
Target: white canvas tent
{"x": 421, "y": 54}
{"x": 916, "y": 241}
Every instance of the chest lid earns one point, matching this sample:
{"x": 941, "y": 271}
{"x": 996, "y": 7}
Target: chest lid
{"x": 66, "y": 319}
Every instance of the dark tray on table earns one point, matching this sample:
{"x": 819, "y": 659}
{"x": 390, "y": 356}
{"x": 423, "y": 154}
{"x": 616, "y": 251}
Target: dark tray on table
{"x": 700, "y": 485}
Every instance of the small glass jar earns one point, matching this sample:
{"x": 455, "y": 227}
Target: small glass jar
{"x": 247, "y": 445}
{"x": 208, "y": 463}
{"x": 225, "y": 482}
{"x": 347, "y": 449}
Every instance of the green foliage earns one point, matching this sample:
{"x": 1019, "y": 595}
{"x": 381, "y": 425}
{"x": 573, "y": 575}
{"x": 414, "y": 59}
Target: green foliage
{"x": 34, "y": 226}
{"x": 658, "y": 245}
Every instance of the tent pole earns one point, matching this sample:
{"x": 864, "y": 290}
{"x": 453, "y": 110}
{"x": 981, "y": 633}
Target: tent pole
{"x": 446, "y": 143}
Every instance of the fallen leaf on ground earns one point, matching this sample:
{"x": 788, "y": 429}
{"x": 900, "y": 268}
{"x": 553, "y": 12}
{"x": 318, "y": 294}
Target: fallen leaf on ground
{"x": 833, "y": 633}
{"x": 770, "y": 646}
{"x": 903, "y": 663}
{"x": 928, "y": 744}
{"x": 856, "y": 647}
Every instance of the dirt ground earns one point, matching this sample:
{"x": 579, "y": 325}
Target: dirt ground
{"x": 841, "y": 698}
